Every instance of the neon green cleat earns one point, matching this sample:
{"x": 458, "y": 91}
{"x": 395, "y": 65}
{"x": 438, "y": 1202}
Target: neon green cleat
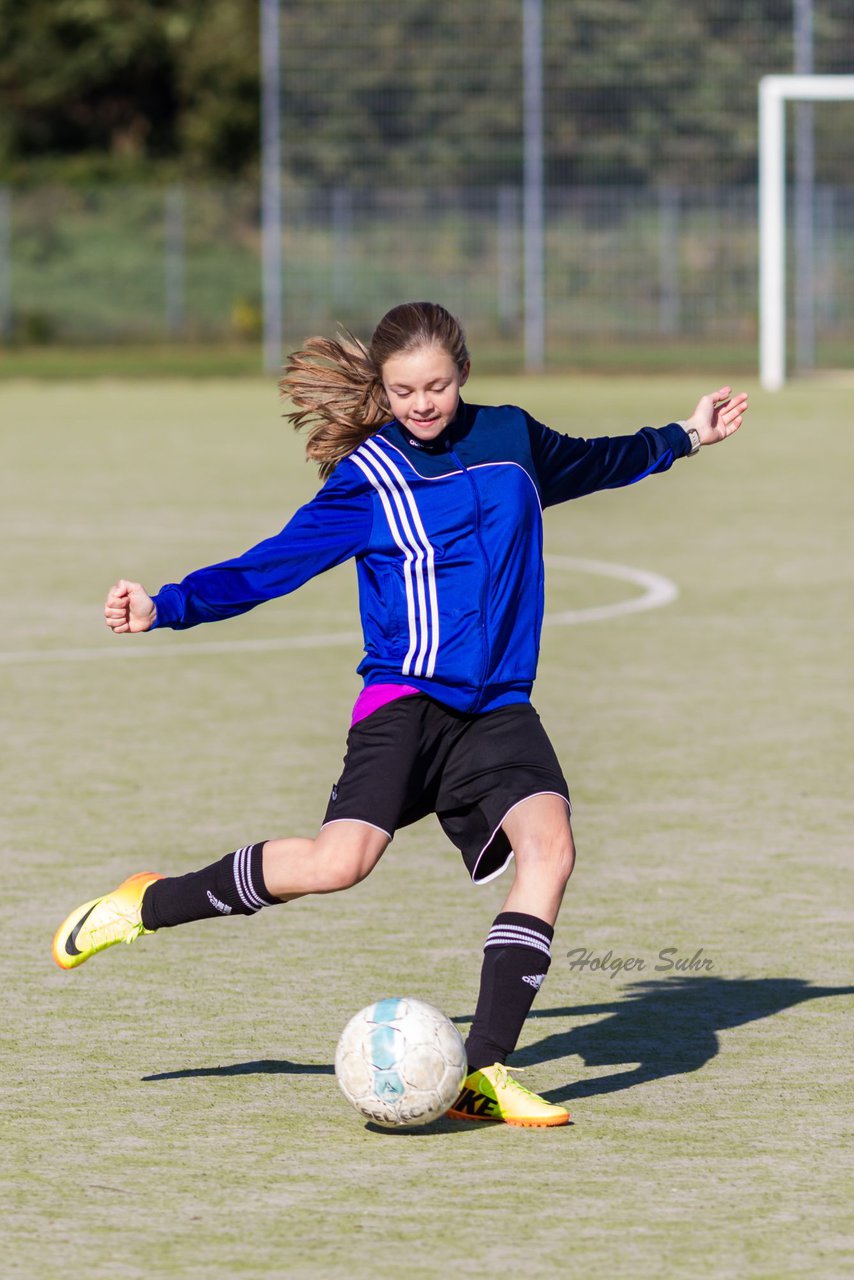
{"x": 491, "y": 1094}
{"x": 117, "y": 917}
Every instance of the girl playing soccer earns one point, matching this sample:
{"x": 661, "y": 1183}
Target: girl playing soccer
{"x": 440, "y": 503}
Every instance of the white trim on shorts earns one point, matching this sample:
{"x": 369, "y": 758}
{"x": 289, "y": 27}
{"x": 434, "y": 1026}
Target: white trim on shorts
{"x": 373, "y": 825}
{"x": 500, "y": 870}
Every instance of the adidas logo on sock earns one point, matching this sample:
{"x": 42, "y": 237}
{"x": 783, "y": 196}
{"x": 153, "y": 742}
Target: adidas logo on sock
{"x": 225, "y": 909}
{"x": 534, "y": 980}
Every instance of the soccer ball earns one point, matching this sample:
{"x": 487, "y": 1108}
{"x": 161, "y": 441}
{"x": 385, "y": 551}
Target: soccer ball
{"x": 400, "y": 1062}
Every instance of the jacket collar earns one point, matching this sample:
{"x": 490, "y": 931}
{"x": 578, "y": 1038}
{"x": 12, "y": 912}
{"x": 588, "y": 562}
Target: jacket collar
{"x": 443, "y": 443}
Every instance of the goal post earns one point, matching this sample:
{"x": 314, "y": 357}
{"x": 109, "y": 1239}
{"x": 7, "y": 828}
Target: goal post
{"x": 774, "y": 93}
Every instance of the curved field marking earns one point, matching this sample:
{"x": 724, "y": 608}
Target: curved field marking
{"x": 657, "y": 591}
{"x": 173, "y": 648}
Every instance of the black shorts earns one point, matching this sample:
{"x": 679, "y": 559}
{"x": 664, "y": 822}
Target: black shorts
{"x": 415, "y": 756}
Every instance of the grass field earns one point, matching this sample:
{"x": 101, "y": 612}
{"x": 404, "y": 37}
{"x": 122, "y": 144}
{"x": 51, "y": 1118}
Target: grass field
{"x": 585, "y": 355}
{"x": 171, "y": 1108}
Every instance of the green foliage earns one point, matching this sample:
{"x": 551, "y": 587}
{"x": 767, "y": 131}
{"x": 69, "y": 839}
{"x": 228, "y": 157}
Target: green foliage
{"x": 422, "y": 93}
{"x": 216, "y": 129}
{"x": 133, "y": 81}
{"x": 412, "y": 92}
{"x": 90, "y": 75}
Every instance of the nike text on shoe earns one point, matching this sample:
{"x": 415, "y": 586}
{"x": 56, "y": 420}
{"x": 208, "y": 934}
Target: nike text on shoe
{"x": 117, "y": 917}
{"x": 492, "y": 1094}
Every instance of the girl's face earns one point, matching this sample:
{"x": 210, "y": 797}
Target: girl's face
{"x": 423, "y": 389}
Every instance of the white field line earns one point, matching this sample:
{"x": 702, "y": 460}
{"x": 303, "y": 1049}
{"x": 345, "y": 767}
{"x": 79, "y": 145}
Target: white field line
{"x": 656, "y": 592}
{"x": 130, "y": 647}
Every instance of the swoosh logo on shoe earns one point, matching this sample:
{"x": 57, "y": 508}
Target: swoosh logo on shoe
{"x": 71, "y": 948}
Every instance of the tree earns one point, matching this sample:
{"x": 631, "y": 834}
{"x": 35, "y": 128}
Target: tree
{"x": 89, "y": 76}
{"x": 404, "y": 92}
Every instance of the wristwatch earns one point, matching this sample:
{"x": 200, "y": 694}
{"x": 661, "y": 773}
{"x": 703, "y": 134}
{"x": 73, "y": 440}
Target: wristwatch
{"x": 694, "y": 436}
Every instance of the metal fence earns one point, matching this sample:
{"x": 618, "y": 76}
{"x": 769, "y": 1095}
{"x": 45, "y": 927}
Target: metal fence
{"x": 583, "y": 168}
{"x": 623, "y": 264}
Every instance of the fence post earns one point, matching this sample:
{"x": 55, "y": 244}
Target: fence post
{"x": 174, "y": 263}
{"x": 271, "y": 186}
{"x": 668, "y": 260}
{"x": 804, "y": 293}
{"x": 827, "y": 265}
{"x": 5, "y": 264}
{"x": 534, "y": 198}
{"x": 507, "y": 246}
{"x": 342, "y": 244}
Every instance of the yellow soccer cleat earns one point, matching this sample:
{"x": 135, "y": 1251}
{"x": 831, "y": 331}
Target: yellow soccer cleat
{"x": 491, "y": 1094}
{"x": 117, "y": 917}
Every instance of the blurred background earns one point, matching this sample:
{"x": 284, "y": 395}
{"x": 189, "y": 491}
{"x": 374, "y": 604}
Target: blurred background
{"x": 576, "y": 178}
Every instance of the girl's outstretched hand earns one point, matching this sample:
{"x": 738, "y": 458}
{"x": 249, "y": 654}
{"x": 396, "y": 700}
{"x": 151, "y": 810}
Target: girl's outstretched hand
{"x": 129, "y": 607}
{"x": 718, "y": 414}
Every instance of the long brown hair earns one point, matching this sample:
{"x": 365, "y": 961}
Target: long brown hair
{"x": 337, "y": 384}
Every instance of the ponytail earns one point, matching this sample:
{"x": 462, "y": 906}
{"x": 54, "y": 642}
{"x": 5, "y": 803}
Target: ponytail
{"x": 339, "y": 396}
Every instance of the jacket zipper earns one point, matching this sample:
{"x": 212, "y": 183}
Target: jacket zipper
{"x": 486, "y": 579}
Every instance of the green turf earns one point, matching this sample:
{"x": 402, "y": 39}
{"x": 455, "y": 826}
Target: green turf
{"x": 171, "y": 1109}
{"x": 236, "y": 359}
{"x": 125, "y": 360}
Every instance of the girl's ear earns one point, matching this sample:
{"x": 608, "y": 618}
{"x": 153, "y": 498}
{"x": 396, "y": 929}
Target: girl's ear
{"x": 464, "y": 373}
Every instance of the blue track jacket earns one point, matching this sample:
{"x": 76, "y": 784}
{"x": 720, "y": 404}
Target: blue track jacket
{"x": 448, "y": 542}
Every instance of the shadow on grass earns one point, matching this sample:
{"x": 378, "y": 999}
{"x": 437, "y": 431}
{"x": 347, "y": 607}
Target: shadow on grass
{"x": 261, "y": 1067}
{"x": 654, "y": 1029}
{"x": 444, "y": 1125}
{"x": 667, "y": 1027}
{"x": 281, "y": 1066}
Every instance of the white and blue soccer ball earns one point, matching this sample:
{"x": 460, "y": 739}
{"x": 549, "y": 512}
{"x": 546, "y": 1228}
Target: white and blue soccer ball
{"x": 400, "y": 1062}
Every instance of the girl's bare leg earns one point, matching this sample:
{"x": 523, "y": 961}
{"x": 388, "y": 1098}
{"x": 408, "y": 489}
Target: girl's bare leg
{"x": 517, "y": 952}
{"x": 341, "y": 855}
{"x": 541, "y": 836}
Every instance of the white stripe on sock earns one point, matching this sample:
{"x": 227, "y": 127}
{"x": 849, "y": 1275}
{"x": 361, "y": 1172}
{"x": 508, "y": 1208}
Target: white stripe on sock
{"x": 242, "y": 880}
{"x": 522, "y": 931}
{"x": 504, "y": 937}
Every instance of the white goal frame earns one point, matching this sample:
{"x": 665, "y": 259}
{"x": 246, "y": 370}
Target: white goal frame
{"x": 774, "y": 93}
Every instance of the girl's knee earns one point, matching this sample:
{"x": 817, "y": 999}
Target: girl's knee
{"x": 564, "y": 858}
{"x": 552, "y": 856}
{"x": 345, "y": 862}
{"x": 569, "y": 857}
{"x": 334, "y": 871}
{"x": 349, "y": 869}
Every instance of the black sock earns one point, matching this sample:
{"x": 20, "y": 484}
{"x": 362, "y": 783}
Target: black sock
{"x": 232, "y": 886}
{"x": 516, "y": 959}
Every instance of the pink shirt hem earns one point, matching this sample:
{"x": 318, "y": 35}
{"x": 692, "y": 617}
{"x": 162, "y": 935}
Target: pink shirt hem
{"x": 374, "y": 696}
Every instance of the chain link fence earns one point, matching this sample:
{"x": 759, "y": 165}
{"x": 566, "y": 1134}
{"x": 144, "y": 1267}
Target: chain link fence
{"x": 129, "y": 264}
{"x": 403, "y": 176}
